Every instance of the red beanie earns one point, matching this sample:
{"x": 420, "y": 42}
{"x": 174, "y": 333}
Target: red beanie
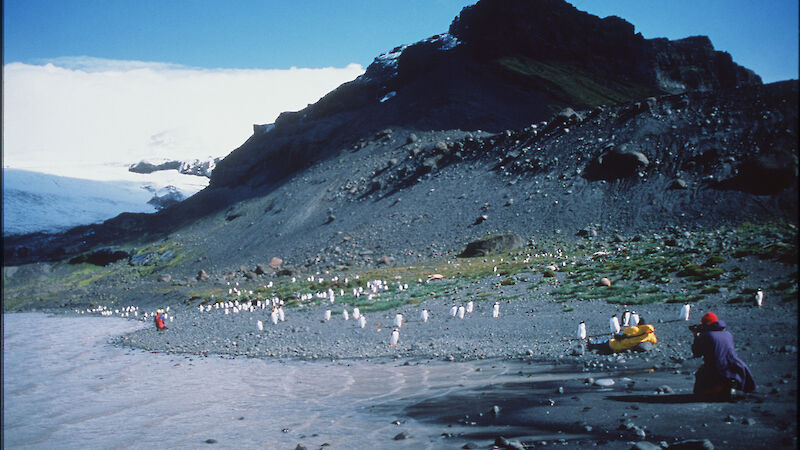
{"x": 709, "y": 318}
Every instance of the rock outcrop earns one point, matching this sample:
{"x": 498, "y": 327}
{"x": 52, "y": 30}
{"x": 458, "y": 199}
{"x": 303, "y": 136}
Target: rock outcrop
{"x": 493, "y": 244}
{"x": 200, "y": 168}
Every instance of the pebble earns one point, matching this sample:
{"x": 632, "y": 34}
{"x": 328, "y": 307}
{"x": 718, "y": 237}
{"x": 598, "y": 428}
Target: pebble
{"x": 401, "y": 436}
{"x": 604, "y": 382}
{"x": 644, "y": 445}
{"x": 502, "y": 442}
{"x": 699, "y": 444}
{"x": 664, "y": 389}
{"x": 211, "y": 441}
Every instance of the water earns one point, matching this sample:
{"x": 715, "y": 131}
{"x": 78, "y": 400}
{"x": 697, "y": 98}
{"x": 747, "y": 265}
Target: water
{"x": 65, "y": 387}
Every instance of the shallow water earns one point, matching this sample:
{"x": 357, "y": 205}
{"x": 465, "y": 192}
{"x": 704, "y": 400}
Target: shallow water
{"x": 64, "y": 386}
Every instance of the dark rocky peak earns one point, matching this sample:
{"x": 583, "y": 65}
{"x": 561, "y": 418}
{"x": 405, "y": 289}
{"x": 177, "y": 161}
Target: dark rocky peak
{"x": 504, "y": 64}
{"x": 693, "y": 64}
{"x": 555, "y": 32}
{"x": 544, "y": 29}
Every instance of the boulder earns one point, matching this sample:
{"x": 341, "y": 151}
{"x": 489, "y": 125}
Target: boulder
{"x": 604, "y": 282}
{"x": 202, "y": 275}
{"x": 165, "y": 278}
{"x": 275, "y": 262}
{"x": 284, "y": 272}
{"x": 566, "y": 116}
{"x": 261, "y": 269}
{"x": 492, "y": 244}
{"x": 615, "y": 163}
{"x": 763, "y": 175}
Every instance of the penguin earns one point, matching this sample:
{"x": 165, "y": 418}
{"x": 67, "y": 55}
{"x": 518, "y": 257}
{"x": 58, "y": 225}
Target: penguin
{"x": 496, "y": 310}
{"x": 395, "y": 337}
{"x": 759, "y": 298}
{"x": 470, "y": 307}
{"x": 398, "y": 320}
{"x": 582, "y": 330}
{"x": 274, "y": 316}
{"x": 362, "y": 321}
{"x": 260, "y": 326}
{"x": 327, "y": 315}
{"x": 614, "y": 323}
{"x": 685, "y": 311}
{"x": 424, "y": 315}
{"x": 461, "y": 312}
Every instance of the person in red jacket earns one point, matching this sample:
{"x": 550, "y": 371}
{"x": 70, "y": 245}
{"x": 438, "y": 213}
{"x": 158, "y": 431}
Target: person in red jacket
{"x": 160, "y": 320}
{"x": 722, "y": 371}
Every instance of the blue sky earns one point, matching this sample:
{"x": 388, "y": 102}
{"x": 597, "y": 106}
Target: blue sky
{"x": 120, "y": 81}
{"x": 267, "y": 34}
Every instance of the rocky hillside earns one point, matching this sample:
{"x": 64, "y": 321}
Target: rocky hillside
{"x": 503, "y": 65}
{"x": 533, "y": 117}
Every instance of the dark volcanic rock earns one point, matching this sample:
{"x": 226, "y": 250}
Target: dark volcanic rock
{"x": 492, "y": 244}
{"x": 764, "y": 174}
{"x": 193, "y": 167}
{"x": 616, "y": 163}
{"x": 102, "y": 257}
{"x": 171, "y": 197}
{"x": 148, "y": 167}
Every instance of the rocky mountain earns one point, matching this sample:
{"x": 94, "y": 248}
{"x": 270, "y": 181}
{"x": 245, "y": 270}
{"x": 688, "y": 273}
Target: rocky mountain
{"x": 503, "y": 65}
{"x": 527, "y": 116}
{"x": 193, "y": 167}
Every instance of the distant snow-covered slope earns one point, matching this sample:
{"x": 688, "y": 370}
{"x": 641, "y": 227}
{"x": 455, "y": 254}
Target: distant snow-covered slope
{"x": 34, "y": 201}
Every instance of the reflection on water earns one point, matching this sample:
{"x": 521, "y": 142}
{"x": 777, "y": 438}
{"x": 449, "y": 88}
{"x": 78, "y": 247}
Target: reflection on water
{"x": 65, "y": 387}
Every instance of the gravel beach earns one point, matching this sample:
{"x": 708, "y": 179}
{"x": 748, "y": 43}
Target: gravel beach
{"x": 554, "y": 374}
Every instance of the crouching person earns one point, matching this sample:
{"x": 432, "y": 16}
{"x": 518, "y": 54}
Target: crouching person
{"x": 159, "y": 319}
{"x": 722, "y": 372}
{"x": 640, "y": 338}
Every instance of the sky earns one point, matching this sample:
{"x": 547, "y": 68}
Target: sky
{"x": 90, "y": 85}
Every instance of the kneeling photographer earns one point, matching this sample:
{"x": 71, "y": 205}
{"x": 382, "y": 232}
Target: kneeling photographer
{"x": 722, "y": 371}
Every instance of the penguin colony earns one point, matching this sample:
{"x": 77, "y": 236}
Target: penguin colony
{"x": 371, "y": 291}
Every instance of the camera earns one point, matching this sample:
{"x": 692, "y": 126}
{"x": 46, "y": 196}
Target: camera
{"x": 696, "y": 328}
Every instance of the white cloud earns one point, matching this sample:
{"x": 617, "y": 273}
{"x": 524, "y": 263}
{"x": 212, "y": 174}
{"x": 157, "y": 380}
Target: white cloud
{"x": 89, "y": 117}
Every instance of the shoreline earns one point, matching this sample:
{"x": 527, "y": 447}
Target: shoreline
{"x": 549, "y": 396}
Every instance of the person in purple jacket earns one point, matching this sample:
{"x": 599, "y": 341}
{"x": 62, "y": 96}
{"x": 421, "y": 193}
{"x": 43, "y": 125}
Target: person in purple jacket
{"x": 722, "y": 371}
